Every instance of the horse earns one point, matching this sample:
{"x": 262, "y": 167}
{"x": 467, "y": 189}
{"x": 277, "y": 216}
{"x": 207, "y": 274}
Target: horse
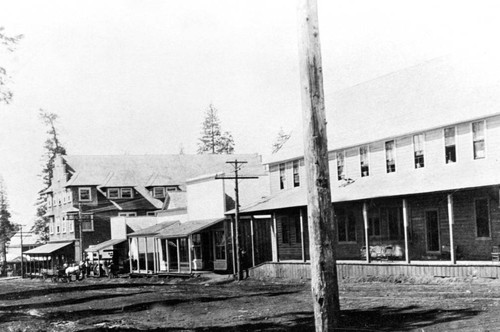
{"x": 76, "y": 270}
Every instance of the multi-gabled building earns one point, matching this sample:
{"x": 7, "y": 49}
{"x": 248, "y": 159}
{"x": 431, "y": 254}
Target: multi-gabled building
{"x": 414, "y": 159}
{"x": 87, "y": 191}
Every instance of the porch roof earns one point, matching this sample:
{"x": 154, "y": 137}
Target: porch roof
{"x": 104, "y": 245}
{"x": 153, "y": 230}
{"x": 453, "y": 177}
{"x": 47, "y": 248}
{"x": 187, "y": 228}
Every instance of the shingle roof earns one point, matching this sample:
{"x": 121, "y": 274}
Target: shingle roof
{"x": 444, "y": 91}
{"x": 148, "y": 170}
{"x": 155, "y": 229}
{"x": 187, "y": 228}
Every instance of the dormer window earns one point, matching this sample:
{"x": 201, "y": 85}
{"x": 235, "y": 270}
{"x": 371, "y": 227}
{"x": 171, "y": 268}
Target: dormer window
{"x": 84, "y": 194}
{"x": 113, "y": 193}
{"x": 126, "y": 192}
{"x": 158, "y": 192}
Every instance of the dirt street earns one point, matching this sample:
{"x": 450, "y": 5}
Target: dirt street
{"x": 223, "y": 305}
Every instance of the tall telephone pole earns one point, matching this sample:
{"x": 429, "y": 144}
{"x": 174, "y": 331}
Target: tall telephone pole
{"x": 322, "y": 230}
{"x": 237, "y": 166}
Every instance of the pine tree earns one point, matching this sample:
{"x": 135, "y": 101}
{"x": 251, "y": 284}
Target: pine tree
{"x": 53, "y": 147}
{"x": 280, "y": 140}
{"x": 7, "y": 44}
{"x": 7, "y": 229}
{"x": 213, "y": 140}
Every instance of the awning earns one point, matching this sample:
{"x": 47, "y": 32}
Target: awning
{"x": 47, "y": 248}
{"x": 187, "y": 228}
{"x": 104, "y": 245}
{"x": 154, "y": 229}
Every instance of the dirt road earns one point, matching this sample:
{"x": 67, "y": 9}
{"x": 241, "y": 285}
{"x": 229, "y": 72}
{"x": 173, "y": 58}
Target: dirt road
{"x": 250, "y": 305}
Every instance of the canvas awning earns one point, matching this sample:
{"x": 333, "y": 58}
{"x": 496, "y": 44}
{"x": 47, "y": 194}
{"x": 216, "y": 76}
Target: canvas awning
{"x": 48, "y": 248}
{"x": 187, "y": 228}
{"x": 104, "y": 245}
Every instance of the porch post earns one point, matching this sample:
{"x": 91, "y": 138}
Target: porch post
{"x": 367, "y": 236}
{"x": 130, "y": 254}
{"x": 190, "y": 254}
{"x": 232, "y": 245}
{"x": 178, "y": 256}
{"x": 99, "y": 263}
{"x": 451, "y": 221}
{"x": 168, "y": 254}
{"x": 146, "y": 253}
{"x": 274, "y": 239}
{"x": 302, "y": 240}
{"x": 253, "y": 239}
{"x": 405, "y": 225}
{"x": 155, "y": 255}
{"x": 160, "y": 254}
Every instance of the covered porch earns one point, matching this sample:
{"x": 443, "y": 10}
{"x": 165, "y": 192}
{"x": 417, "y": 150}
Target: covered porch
{"x": 49, "y": 257}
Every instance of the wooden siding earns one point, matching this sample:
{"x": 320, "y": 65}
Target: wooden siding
{"x": 434, "y": 156}
{"x": 345, "y": 270}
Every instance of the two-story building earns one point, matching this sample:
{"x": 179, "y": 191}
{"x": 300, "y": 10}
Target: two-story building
{"x": 413, "y": 172}
{"x": 87, "y": 191}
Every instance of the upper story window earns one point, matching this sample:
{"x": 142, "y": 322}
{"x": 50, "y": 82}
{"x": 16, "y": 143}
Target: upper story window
{"x": 158, "y": 192}
{"x": 51, "y": 226}
{"x": 450, "y": 150}
{"x": 390, "y": 159}
{"x": 478, "y": 139}
{"x": 113, "y": 193}
{"x": 87, "y": 223}
{"x": 49, "y": 200}
{"x": 127, "y": 214}
{"x": 126, "y": 193}
{"x": 340, "y": 165}
{"x": 282, "y": 176}
{"x": 173, "y": 188}
{"x": 418, "y": 150}
{"x": 296, "y": 176}
{"x": 84, "y": 194}
{"x": 64, "y": 225}
{"x": 363, "y": 161}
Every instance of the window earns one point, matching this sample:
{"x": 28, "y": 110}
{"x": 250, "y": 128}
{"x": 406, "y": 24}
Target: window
{"x": 285, "y": 230}
{"x": 363, "y": 160}
{"x": 340, "y": 166}
{"x": 478, "y": 139}
{"x": 49, "y": 201}
{"x": 64, "y": 225}
{"x": 220, "y": 245}
{"x": 84, "y": 194}
{"x": 346, "y": 226}
{"x": 296, "y": 176}
{"x": 450, "y": 150}
{"x": 126, "y": 192}
{"x": 482, "y": 217}
{"x": 150, "y": 213}
{"x": 113, "y": 193}
{"x": 282, "y": 176}
{"x": 298, "y": 237}
{"x": 418, "y": 150}
{"x": 390, "y": 160}
{"x": 127, "y": 214}
{"x": 396, "y": 223}
{"x": 58, "y": 225}
{"x": 373, "y": 223}
{"x": 51, "y": 226}
{"x": 87, "y": 223}
{"x": 71, "y": 224}
{"x": 173, "y": 188}
{"x": 158, "y": 192}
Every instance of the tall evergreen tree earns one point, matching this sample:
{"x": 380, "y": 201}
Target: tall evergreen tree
{"x": 280, "y": 140}
{"x": 7, "y": 44}
{"x": 53, "y": 147}
{"x": 213, "y": 140}
{"x": 7, "y": 229}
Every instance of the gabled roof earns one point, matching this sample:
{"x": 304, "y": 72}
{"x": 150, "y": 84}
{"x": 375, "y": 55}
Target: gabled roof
{"x": 441, "y": 92}
{"x": 151, "y": 170}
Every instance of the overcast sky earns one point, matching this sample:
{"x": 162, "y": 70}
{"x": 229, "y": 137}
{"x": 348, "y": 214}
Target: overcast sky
{"x": 135, "y": 76}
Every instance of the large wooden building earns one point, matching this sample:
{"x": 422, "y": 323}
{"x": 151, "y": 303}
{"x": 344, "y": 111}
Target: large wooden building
{"x": 414, "y": 159}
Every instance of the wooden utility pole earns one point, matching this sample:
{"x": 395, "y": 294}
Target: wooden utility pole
{"x": 322, "y": 230}
{"x": 237, "y": 164}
